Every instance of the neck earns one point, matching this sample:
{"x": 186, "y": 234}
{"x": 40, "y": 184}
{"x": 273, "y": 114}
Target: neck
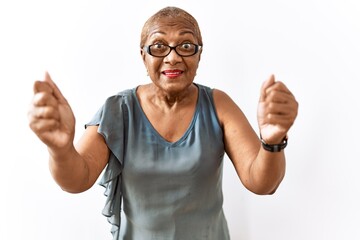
{"x": 170, "y": 100}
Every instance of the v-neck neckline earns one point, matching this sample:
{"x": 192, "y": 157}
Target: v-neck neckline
{"x": 153, "y": 129}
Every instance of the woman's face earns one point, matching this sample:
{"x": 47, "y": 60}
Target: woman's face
{"x": 172, "y": 73}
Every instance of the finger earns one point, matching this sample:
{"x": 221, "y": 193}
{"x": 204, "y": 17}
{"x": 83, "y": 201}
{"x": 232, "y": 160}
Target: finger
{"x": 44, "y": 99}
{"x": 279, "y": 96}
{"x": 45, "y": 112}
{"x": 279, "y": 87}
{"x": 279, "y": 109}
{"x": 280, "y": 120}
{"x": 265, "y": 86}
{"x": 44, "y": 125}
{"x": 57, "y": 92}
{"x": 46, "y": 131}
{"x": 41, "y": 86}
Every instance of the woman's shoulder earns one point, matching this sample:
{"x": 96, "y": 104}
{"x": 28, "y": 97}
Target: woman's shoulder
{"x": 225, "y": 106}
{"x": 123, "y": 96}
{"x": 211, "y": 90}
{"x": 215, "y": 93}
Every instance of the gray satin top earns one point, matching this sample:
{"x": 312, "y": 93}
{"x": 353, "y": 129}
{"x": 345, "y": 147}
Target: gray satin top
{"x": 170, "y": 190}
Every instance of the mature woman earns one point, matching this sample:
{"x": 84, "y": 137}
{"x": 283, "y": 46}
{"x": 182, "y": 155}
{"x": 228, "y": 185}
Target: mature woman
{"x": 163, "y": 143}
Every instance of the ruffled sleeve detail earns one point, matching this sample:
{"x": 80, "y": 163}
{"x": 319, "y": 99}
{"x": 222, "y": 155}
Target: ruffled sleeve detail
{"x": 111, "y": 119}
{"x": 111, "y": 181}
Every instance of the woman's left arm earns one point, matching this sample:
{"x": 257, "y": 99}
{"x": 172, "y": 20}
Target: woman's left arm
{"x": 261, "y": 171}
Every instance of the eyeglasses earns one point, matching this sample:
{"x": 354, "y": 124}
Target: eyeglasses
{"x": 162, "y": 50}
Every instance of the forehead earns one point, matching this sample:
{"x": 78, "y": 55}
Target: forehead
{"x": 170, "y": 26}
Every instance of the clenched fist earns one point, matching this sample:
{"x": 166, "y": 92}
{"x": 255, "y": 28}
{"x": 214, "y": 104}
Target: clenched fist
{"x": 277, "y": 111}
{"x": 50, "y": 116}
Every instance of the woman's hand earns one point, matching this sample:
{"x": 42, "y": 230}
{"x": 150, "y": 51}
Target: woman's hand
{"x": 277, "y": 111}
{"x": 50, "y": 116}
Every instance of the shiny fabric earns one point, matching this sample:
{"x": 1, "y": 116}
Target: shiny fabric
{"x": 170, "y": 190}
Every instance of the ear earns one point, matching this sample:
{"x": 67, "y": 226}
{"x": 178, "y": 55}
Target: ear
{"x": 200, "y": 54}
{"x": 143, "y": 54}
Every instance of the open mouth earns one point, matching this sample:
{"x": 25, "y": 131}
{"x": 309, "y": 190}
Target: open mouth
{"x": 172, "y": 73}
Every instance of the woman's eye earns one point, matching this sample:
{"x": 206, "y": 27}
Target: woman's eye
{"x": 186, "y": 45}
{"x": 158, "y": 45}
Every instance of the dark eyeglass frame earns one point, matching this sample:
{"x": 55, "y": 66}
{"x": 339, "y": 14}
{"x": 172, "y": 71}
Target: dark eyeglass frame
{"x": 148, "y": 49}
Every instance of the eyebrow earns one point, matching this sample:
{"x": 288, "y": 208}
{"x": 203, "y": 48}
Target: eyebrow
{"x": 181, "y": 33}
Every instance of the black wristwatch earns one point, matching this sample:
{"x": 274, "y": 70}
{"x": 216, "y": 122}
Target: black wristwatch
{"x": 274, "y": 147}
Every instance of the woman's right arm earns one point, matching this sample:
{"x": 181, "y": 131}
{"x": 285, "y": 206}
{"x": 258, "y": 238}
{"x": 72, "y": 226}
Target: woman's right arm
{"x": 74, "y": 168}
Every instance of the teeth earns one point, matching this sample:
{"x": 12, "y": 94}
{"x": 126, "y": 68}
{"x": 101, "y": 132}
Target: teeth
{"x": 172, "y": 73}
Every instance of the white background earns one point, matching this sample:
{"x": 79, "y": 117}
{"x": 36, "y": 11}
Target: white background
{"x": 91, "y": 49}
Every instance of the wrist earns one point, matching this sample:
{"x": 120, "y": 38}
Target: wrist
{"x": 62, "y": 154}
{"x": 274, "y": 147}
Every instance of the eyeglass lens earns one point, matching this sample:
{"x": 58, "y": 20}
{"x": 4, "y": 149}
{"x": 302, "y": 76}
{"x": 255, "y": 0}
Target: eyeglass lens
{"x": 162, "y": 50}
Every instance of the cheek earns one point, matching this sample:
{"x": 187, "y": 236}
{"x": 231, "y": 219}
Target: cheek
{"x": 193, "y": 67}
{"x": 152, "y": 65}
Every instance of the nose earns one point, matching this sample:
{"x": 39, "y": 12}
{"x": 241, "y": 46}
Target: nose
{"x": 173, "y": 57}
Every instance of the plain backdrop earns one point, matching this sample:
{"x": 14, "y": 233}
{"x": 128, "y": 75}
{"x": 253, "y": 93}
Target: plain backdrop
{"x": 91, "y": 49}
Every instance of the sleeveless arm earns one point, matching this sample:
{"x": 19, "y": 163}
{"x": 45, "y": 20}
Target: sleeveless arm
{"x": 260, "y": 171}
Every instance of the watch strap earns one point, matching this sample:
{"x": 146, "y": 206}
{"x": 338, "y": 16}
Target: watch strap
{"x": 274, "y": 147}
